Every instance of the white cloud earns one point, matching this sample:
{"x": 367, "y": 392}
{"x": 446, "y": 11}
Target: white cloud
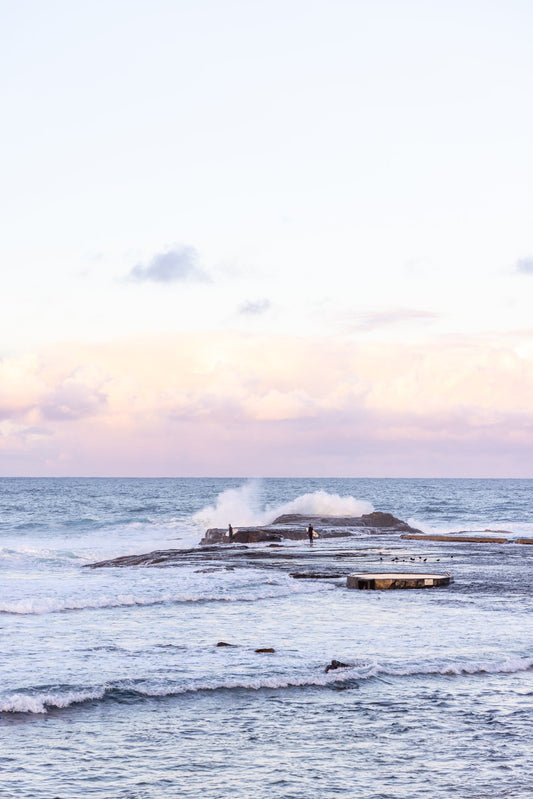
{"x": 254, "y": 308}
{"x": 178, "y": 265}
{"x": 525, "y": 266}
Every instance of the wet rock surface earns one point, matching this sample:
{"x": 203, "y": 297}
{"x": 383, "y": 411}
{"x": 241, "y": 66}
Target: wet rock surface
{"x": 216, "y": 548}
{"x": 325, "y": 526}
{"x": 310, "y": 558}
{"x": 376, "y": 519}
{"x": 334, "y": 665}
{"x": 247, "y": 535}
{"x": 327, "y": 575}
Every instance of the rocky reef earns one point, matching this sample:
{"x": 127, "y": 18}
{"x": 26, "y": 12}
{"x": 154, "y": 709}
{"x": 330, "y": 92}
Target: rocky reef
{"x": 293, "y": 527}
{"x": 210, "y": 554}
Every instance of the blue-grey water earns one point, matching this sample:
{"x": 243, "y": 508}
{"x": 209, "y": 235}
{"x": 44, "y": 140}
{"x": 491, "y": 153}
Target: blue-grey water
{"x": 111, "y": 683}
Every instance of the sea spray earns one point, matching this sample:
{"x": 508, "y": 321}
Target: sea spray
{"x": 320, "y": 503}
{"x": 243, "y": 506}
{"x": 233, "y": 506}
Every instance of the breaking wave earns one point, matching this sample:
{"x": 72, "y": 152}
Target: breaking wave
{"x": 39, "y": 701}
{"x": 507, "y": 666}
{"x": 244, "y": 506}
{"x": 37, "y": 607}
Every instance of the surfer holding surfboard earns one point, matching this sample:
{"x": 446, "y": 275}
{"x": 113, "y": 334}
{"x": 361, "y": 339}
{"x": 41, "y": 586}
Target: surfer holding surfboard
{"x": 311, "y": 533}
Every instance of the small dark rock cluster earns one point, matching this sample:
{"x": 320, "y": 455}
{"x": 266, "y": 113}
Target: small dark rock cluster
{"x": 336, "y": 664}
{"x": 261, "y": 651}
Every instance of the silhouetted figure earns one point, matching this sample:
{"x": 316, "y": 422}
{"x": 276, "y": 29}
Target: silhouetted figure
{"x": 310, "y": 533}
{"x": 230, "y": 532}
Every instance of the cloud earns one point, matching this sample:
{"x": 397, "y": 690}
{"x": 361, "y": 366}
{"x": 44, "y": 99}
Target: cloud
{"x": 74, "y": 398}
{"x": 280, "y": 405}
{"x": 8, "y": 428}
{"x": 177, "y": 265}
{"x": 255, "y": 308}
{"x": 227, "y": 403}
{"x": 524, "y": 266}
{"x": 373, "y": 320}
{"x": 72, "y": 402}
{"x": 22, "y": 385}
{"x": 350, "y": 321}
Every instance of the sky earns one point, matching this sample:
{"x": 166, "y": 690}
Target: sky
{"x": 266, "y": 239}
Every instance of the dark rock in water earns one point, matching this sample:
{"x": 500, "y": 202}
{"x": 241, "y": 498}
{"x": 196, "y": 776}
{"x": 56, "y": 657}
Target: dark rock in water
{"x": 376, "y": 519}
{"x": 244, "y": 535}
{"x": 371, "y": 522}
{"x": 223, "y": 643}
{"x": 315, "y": 575}
{"x": 213, "y": 547}
{"x": 265, "y": 650}
{"x": 336, "y": 664}
{"x": 151, "y": 558}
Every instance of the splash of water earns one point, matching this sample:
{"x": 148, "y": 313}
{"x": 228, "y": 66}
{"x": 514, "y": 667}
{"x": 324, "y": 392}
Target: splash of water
{"x": 236, "y": 505}
{"x": 243, "y": 506}
{"x": 320, "y": 503}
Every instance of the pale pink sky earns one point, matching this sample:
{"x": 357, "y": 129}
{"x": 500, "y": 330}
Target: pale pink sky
{"x": 251, "y": 239}
{"x": 202, "y": 404}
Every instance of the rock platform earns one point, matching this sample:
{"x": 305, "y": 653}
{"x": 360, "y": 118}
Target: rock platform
{"x": 293, "y": 527}
{"x": 384, "y": 581}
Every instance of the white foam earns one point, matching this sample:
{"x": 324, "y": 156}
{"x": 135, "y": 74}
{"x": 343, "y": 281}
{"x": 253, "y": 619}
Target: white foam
{"x": 40, "y": 606}
{"x": 506, "y": 666}
{"x": 236, "y": 505}
{"x": 481, "y": 528}
{"x": 428, "y": 529}
{"x": 320, "y": 503}
{"x": 243, "y": 506}
{"x": 36, "y": 702}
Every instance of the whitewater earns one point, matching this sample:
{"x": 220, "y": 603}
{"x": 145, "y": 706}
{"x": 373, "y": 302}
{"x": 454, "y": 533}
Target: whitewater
{"x": 112, "y": 683}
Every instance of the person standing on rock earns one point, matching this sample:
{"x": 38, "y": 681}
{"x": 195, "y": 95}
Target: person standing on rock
{"x": 310, "y": 533}
{"x": 230, "y": 533}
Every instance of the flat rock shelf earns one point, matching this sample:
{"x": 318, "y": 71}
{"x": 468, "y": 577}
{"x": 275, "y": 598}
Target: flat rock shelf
{"x": 383, "y": 581}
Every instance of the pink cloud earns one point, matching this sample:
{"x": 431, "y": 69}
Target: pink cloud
{"x": 235, "y": 405}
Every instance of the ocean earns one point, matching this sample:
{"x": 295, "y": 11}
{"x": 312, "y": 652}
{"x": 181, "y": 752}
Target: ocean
{"x": 112, "y": 684}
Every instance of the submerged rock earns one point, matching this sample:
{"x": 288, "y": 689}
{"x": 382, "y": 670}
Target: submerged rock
{"x": 265, "y": 650}
{"x": 317, "y": 575}
{"x": 336, "y": 664}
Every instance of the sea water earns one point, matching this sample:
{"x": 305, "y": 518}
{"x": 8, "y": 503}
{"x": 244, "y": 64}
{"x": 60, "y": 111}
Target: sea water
{"x": 111, "y": 683}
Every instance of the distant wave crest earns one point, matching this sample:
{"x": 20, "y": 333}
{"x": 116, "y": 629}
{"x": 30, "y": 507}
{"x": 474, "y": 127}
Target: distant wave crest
{"x": 40, "y": 700}
{"x": 35, "y": 607}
